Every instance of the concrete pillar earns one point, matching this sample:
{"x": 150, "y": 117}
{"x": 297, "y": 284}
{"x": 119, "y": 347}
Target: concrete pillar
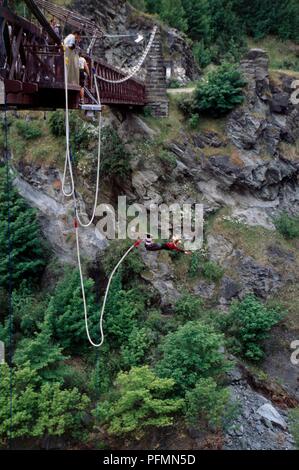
{"x": 156, "y": 89}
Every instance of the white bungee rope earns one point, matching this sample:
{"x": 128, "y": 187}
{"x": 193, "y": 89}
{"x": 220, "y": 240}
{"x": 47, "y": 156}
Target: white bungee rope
{"x": 72, "y": 192}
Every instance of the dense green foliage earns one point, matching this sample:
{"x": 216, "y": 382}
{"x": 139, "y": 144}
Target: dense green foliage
{"x": 249, "y": 323}
{"x": 29, "y": 129}
{"x": 221, "y": 92}
{"x": 140, "y": 400}
{"x": 39, "y": 409}
{"x": 200, "y": 265}
{"x": 79, "y": 130}
{"x": 27, "y": 251}
{"x": 65, "y": 312}
{"x": 115, "y": 157}
{"x": 218, "y": 27}
{"x": 172, "y": 12}
{"x": 188, "y": 307}
{"x": 206, "y": 402}
{"x": 288, "y": 226}
{"x": 190, "y": 353}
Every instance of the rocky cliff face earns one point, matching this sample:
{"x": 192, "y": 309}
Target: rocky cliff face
{"x": 119, "y": 17}
{"x": 244, "y": 172}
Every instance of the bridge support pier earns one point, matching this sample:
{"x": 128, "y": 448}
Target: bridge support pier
{"x": 156, "y": 89}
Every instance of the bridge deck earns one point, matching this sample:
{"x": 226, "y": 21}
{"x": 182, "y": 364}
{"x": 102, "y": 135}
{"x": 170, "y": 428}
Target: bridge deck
{"x": 32, "y": 71}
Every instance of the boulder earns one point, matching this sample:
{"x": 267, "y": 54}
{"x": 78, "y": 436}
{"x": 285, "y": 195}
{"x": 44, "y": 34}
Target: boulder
{"x": 269, "y": 413}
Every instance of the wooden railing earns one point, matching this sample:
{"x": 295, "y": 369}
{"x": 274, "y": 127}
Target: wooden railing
{"x": 30, "y": 62}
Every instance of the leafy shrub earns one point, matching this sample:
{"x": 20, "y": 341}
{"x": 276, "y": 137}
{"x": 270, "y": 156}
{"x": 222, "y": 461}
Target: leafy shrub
{"x": 174, "y": 84}
{"x": 193, "y": 121}
{"x": 167, "y": 159}
{"x": 221, "y": 92}
{"x": 28, "y": 309}
{"x": 209, "y": 269}
{"x": 202, "y": 54}
{"x": 196, "y": 261}
{"x": 115, "y": 157}
{"x": 134, "y": 350}
{"x": 141, "y": 400}
{"x": 57, "y": 123}
{"x": 65, "y": 312}
{"x": 206, "y": 402}
{"x": 79, "y": 130}
{"x": 212, "y": 271}
{"x": 188, "y": 307}
{"x": 39, "y": 409}
{"x": 29, "y": 130}
{"x": 132, "y": 266}
{"x": 288, "y": 226}
{"x": 190, "y": 353}
{"x": 186, "y": 105}
{"x": 122, "y": 310}
{"x": 249, "y": 323}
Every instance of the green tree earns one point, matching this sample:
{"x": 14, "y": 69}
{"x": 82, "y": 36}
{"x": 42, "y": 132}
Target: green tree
{"x": 141, "y": 400}
{"x": 173, "y": 13}
{"x": 28, "y": 255}
{"x": 41, "y": 354}
{"x": 221, "y": 92}
{"x": 278, "y": 17}
{"x": 134, "y": 350}
{"x": 198, "y": 19}
{"x": 190, "y": 353}
{"x": 115, "y": 157}
{"x": 188, "y": 307}
{"x": 39, "y": 409}
{"x": 65, "y": 312}
{"x": 207, "y": 402}
{"x": 153, "y": 6}
{"x": 122, "y": 311}
{"x": 249, "y": 323}
{"x": 28, "y": 308}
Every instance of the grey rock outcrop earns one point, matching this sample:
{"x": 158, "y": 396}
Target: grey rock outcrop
{"x": 56, "y": 218}
{"x": 257, "y": 424}
{"x": 270, "y": 414}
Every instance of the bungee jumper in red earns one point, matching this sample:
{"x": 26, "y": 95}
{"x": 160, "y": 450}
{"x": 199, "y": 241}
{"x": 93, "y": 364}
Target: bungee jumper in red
{"x": 168, "y": 246}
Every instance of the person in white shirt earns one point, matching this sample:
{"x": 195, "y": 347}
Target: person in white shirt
{"x": 83, "y": 70}
{"x": 72, "y": 57}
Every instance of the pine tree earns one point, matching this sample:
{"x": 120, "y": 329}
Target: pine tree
{"x": 198, "y": 18}
{"x": 173, "y": 13}
{"x": 26, "y": 250}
